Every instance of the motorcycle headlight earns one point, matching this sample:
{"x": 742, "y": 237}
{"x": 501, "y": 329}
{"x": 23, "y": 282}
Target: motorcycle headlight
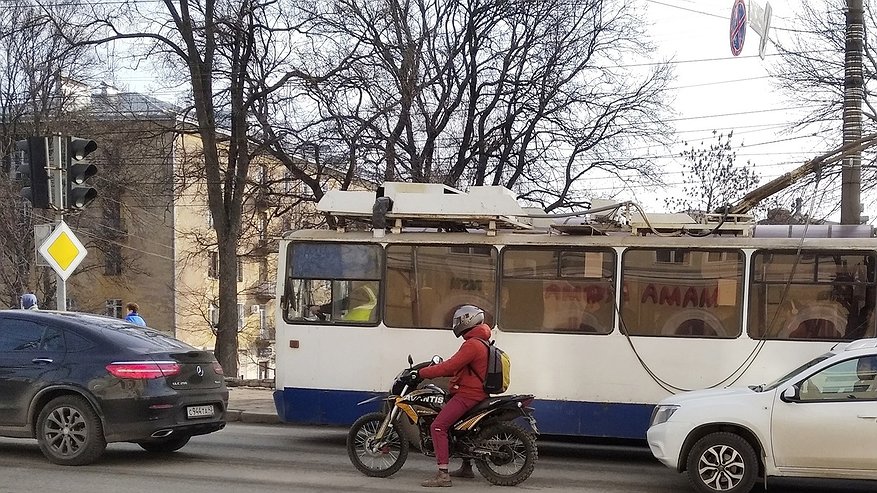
{"x": 662, "y": 413}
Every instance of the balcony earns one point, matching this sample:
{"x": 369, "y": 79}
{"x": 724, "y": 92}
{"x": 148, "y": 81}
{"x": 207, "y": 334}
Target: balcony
{"x": 262, "y": 291}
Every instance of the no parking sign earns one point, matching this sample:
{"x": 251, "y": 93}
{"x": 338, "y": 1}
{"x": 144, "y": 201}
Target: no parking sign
{"x": 738, "y": 26}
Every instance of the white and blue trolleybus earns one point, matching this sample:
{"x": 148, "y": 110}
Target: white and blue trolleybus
{"x": 602, "y": 316}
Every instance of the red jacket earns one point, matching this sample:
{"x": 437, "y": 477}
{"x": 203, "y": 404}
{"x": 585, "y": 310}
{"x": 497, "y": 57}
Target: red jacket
{"x": 467, "y": 367}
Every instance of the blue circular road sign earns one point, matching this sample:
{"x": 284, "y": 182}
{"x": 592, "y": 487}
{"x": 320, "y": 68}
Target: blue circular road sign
{"x": 738, "y": 26}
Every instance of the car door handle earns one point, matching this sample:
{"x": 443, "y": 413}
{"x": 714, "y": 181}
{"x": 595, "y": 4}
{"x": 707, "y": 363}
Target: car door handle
{"x": 866, "y": 417}
{"x": 42, "y": 360}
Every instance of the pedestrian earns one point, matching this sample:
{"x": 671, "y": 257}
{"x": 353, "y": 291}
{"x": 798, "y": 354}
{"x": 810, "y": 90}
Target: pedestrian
{"x": 29, "y": 302}
{"x": 134, "y": 315}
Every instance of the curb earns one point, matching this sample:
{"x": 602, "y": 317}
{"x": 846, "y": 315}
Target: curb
{"x": 248, "y": 417}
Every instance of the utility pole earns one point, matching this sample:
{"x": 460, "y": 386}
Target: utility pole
{"x": 851, "y": 177}
{"x": 58, "y": 200}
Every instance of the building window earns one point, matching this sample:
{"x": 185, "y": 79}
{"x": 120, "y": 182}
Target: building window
{"x": 263, "y": 226}
{"x": 667, "y": 256}
{"x": 263, "y": 269}
{"x": 114, "y": 308}
{"x": 113, "y": 260}
{"x": 18, "y": 161}
{"x": 213, "y": 267}
{"x": 213, "y": 316}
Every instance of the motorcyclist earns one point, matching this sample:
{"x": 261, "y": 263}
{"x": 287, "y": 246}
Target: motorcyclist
{"x": 467, "y": 369}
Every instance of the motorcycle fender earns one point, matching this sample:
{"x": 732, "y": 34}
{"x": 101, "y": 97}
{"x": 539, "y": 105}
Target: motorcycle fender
{"x": 408, "y": 410}
{"x": 382, "y": 397}
{"x": 472, "y": 422}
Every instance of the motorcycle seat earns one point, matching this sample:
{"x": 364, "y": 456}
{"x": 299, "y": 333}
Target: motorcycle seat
{"x": 496, "y": 401}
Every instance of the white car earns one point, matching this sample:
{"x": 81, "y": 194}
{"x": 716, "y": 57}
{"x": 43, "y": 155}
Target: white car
{"x": 819, "y": 421}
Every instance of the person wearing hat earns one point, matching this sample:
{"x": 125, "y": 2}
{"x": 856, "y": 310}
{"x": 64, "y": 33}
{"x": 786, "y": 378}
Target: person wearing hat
{"x": 29, "y": 302}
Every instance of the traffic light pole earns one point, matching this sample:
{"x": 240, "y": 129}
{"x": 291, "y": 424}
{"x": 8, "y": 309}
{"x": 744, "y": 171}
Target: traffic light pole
{"x": 58, "y": 199}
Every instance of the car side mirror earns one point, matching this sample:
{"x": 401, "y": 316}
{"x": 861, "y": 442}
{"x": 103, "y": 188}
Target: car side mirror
{"x": 436, "y": 359}
{"x": 791, "y": 394}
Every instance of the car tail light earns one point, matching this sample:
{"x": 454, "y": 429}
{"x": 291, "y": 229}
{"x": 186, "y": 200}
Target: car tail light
{"x": 143, "y": 370}
{"x": 217, "y": 368}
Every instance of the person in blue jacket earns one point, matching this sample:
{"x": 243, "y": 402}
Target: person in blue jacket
{"x": 29, "y": 302}
{"x": 133, "y": 315}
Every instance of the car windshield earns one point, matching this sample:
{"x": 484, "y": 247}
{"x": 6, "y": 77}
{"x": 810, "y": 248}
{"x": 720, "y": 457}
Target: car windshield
{"x": 776, "y": 383}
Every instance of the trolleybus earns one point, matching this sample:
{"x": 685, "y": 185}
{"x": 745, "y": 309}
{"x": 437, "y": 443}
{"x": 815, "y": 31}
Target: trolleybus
{"x": 601, "y": 319}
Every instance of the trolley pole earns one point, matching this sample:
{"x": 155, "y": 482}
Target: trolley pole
{"x": 851, "y": 175}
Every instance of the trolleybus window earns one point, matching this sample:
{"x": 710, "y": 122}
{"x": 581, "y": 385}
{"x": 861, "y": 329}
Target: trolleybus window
{"x": 426, "y": 284}
{"x": 333, "y": 283}
{"x": 682, "y": 292}
{"x": 812, "y": 295}
{"x": 557, "y": 290}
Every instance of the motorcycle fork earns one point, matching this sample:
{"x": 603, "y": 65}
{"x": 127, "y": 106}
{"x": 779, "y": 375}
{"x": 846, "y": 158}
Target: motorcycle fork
{"x": 386, "y": 425}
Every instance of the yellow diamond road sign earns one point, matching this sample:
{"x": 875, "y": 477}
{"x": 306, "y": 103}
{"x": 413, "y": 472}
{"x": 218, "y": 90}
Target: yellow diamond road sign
{"x": 63, "y": 251}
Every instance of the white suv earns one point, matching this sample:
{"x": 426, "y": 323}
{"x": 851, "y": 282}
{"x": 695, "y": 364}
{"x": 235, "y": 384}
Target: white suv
{"x": 819, "y": 421}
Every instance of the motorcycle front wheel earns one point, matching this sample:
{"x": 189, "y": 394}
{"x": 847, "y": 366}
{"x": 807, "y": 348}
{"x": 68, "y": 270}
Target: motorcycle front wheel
{"x": 372, "y": 460}
{"x": 512, "y": 454}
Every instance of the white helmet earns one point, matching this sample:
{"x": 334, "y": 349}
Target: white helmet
{"x": 466, "y": 317}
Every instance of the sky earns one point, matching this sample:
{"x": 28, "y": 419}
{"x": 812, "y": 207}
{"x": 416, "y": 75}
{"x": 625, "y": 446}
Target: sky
{"x": 715, "y": 90}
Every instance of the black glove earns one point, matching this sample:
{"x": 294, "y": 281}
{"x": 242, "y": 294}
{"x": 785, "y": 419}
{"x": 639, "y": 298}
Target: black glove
{"x": 410, "y": 376}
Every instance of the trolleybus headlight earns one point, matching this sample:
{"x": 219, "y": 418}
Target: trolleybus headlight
{"x": 662, "y": 413}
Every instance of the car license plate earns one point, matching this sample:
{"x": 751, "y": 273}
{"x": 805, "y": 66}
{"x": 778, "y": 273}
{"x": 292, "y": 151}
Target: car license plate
{"x": 199, "y": 411}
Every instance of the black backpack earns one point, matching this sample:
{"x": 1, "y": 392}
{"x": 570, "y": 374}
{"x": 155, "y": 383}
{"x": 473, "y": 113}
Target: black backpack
{"x": 499, "y": 365}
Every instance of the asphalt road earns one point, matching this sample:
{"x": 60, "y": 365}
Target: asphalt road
{"x": 272, "y": 458}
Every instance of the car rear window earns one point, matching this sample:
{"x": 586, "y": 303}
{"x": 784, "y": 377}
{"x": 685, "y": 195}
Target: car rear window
{"x": 133, "y": 336}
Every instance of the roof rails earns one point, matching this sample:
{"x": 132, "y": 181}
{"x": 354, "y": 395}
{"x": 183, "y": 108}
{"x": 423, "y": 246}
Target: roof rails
{"x": 396, "y": 205}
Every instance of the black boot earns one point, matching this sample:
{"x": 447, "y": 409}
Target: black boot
{"x": 465, "y": 471}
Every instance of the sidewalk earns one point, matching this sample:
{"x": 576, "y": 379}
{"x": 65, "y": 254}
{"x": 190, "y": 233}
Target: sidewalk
{"x": 251, "y": 405}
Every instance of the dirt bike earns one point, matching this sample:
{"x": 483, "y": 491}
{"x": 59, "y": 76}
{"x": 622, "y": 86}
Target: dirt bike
{"x": 503, "y": 451}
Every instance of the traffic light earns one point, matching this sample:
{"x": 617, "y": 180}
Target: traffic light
{"x": 79, "y": 193}
{"x": 37, "y": 157}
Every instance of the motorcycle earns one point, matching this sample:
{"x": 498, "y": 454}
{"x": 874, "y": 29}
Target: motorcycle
{"x": 504, "y": 452}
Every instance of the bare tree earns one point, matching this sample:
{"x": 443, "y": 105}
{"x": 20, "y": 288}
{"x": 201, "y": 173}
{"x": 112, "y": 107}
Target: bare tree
{"x": 530, "y": 95}
{"x": 231, "y": 54}
{"x": 33, "y": 57}
{"x": 534, "y": 96}
{"x": 811, "y": 73}
{"x": 711, "y": 177}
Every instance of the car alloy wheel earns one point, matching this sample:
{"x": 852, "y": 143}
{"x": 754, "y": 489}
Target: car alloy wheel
{"x": 722, "y": 462}
{"x": 69, "y": 431}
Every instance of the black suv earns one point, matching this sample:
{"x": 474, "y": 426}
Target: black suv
{"x": 76, "y": 381}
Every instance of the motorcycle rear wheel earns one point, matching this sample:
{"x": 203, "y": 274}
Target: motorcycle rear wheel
{"x": 375, "y": 463}
{"x": 513, "y": 454}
